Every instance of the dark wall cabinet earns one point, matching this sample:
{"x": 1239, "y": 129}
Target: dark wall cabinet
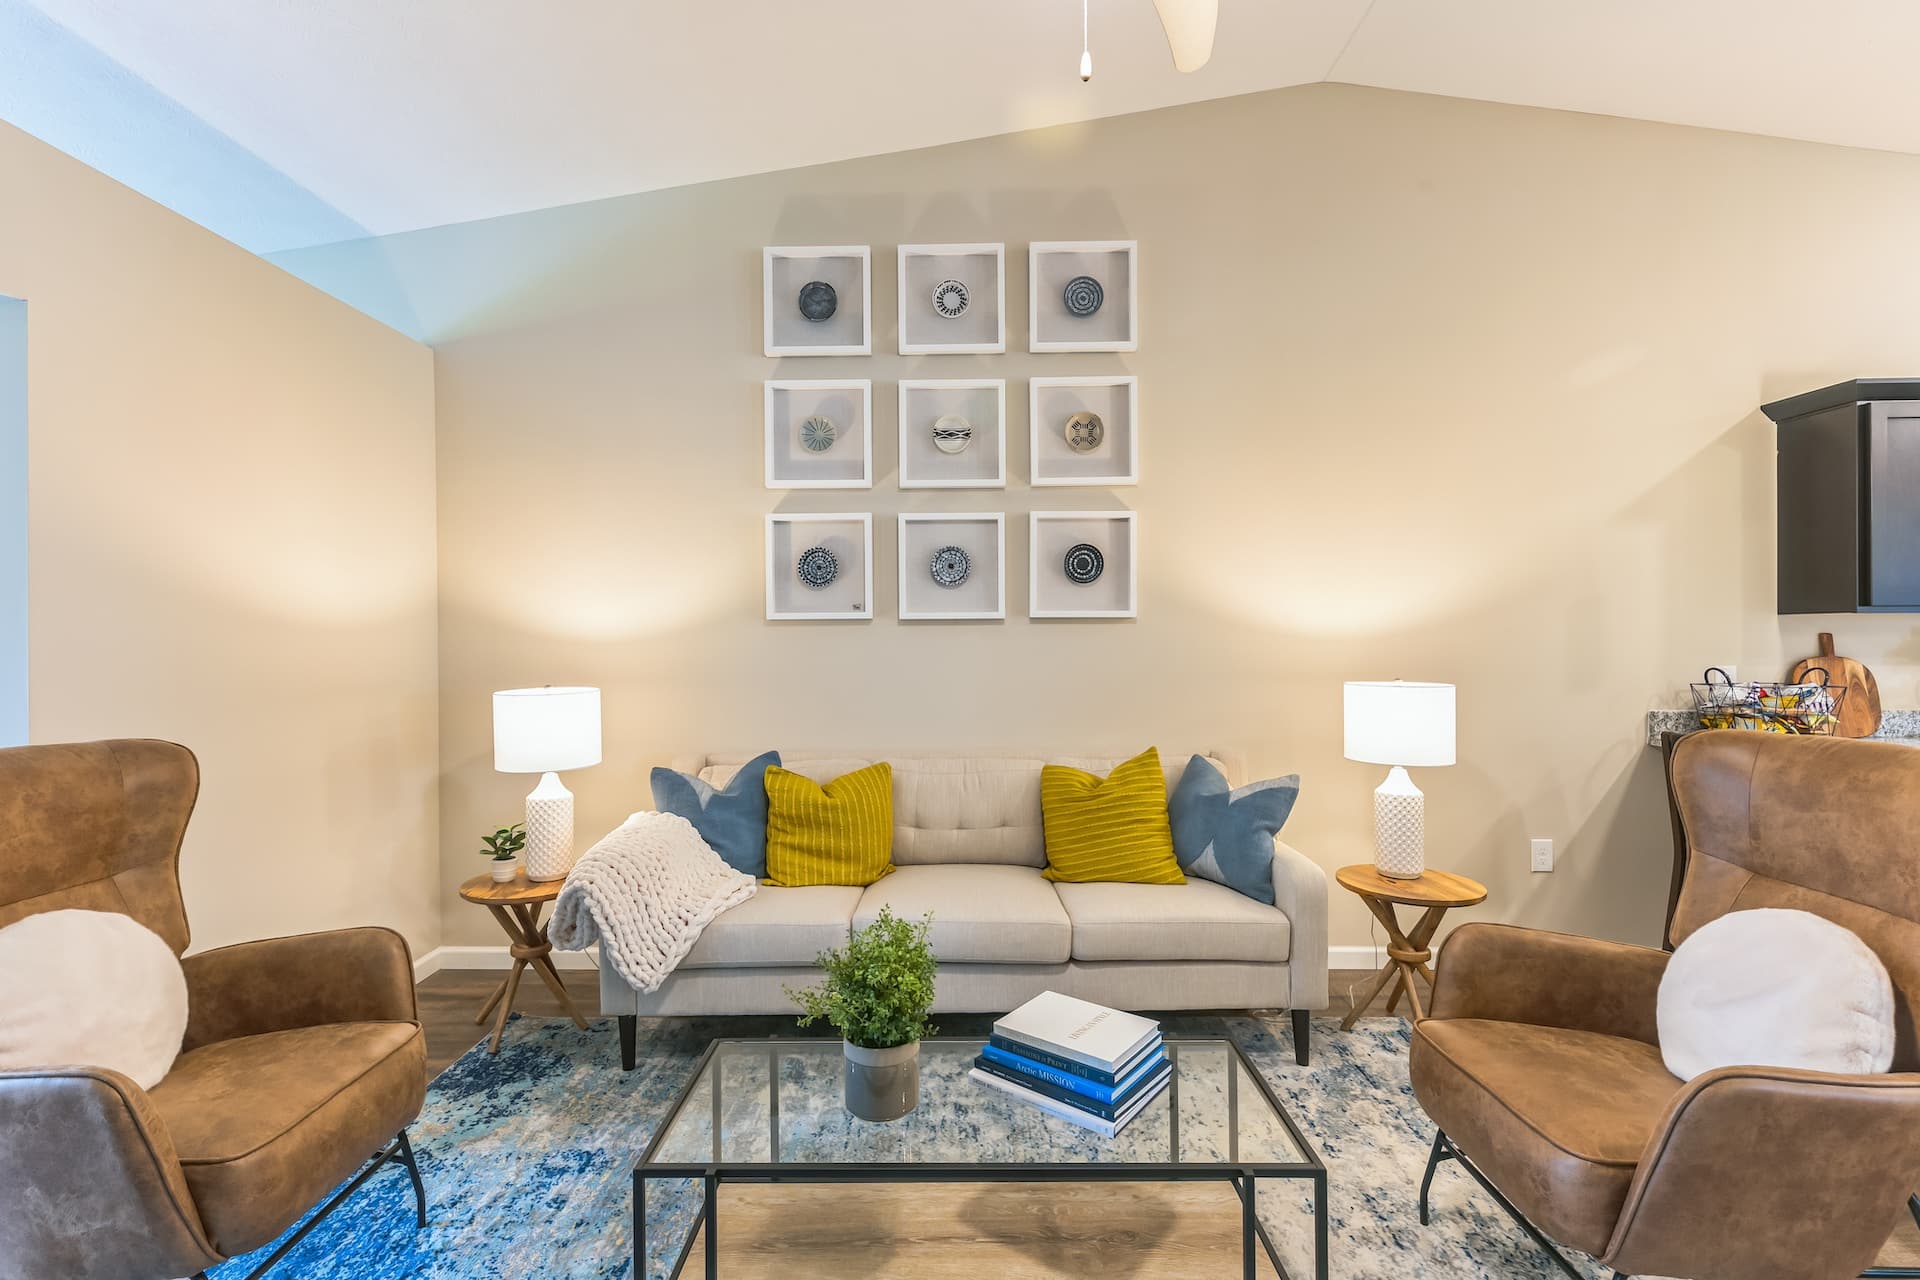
{"x": 1849, "y": 489}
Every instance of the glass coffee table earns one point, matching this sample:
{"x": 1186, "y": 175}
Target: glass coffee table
{"x": 770, "y": 1111}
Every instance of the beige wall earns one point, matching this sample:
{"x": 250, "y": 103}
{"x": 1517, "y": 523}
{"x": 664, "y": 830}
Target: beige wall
{"x": 1431, "y": 388}
{"x": 232, "y": 546}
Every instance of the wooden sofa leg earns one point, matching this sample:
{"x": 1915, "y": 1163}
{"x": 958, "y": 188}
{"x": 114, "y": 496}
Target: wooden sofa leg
{"x": 1302, "y": 1036}
{"x": 629, "y": 1040}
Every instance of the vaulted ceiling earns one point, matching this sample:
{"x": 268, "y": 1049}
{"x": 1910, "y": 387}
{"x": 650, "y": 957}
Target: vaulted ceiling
{"x": 284, "y": 123}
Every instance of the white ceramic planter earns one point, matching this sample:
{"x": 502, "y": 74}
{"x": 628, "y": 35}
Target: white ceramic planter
{"x": 503, "y": 871}
{"x": 882, "y": 1084}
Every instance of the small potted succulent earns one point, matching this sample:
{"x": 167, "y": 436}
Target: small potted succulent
{"x": 504, "y": 846}
{"x": 876, "y": 993}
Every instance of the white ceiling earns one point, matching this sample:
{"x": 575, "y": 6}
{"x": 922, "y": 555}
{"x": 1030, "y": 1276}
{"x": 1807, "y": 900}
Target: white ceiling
{"x": 282, "y": 123}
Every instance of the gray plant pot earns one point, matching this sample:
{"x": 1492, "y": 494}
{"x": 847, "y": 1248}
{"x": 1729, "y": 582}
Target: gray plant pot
{"x": 882, "y": 1084}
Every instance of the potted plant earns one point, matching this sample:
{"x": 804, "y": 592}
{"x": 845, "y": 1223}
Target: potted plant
{"x": 504, "y": 846}
{"x": 876, "y": 993}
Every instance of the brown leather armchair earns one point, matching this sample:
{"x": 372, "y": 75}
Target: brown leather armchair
{"x": 303, "y": 1059}
{"x": 1541, "y": 1063}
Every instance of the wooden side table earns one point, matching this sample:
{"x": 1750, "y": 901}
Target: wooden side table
{"x": 518, "y": 905}
{"x": 1407, "y": 954}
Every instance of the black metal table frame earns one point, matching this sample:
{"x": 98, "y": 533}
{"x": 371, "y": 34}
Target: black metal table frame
{"x": 1243, "y": 1175}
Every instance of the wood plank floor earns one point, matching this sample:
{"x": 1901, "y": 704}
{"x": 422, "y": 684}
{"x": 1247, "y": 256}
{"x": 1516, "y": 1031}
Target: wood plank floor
{"x": 1050, "y": 1232}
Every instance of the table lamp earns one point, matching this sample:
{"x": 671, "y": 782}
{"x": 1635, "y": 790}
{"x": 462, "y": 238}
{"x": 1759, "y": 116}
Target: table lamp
{"x": 1399, "y": 723}
{"x": 544, "y": 731}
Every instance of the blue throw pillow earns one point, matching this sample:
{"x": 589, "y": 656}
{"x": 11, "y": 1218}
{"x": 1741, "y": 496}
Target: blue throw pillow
{"x": 732, "y": 819}
{"x": 1227, "y": 835}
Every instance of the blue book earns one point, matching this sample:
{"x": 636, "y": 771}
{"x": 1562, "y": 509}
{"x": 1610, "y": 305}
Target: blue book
{"x": 1060, "y": 1079}
{"x": 1035, "y": 1053}
{"x": 1073, "y": 1115}
{"x": 1105, "y": 1111}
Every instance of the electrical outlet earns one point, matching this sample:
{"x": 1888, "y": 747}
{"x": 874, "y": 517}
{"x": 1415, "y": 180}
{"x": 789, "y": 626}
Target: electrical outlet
{"x": 1543, "y": 855}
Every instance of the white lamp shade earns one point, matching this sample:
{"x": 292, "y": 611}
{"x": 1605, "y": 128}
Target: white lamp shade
{"x": 1399, "y": 722}
{"x": 545, "y": 730}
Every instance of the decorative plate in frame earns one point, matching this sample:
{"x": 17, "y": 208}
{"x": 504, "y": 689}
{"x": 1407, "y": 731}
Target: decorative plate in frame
{"x": 818, "y": 567}
{"x": 818, "y": 433}
{"x": 951, "y": 566}
{"x": 1083, "y": 563}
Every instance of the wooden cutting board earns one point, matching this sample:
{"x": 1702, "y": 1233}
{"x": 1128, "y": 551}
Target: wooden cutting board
{"x": 1860, "y": 709}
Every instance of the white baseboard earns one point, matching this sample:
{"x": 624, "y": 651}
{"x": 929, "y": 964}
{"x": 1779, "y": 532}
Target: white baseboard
{"x": 1356, "y": 957}
{"x": 494, "y": 958}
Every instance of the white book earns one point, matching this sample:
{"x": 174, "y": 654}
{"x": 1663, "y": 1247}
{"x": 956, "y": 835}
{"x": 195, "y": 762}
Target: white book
{"x": 1071, "y": 1114}
{"x": 1087, "y": 1033}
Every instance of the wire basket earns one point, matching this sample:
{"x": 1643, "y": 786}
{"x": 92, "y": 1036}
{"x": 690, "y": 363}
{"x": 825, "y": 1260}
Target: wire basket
{"x": 1770, "y": 706}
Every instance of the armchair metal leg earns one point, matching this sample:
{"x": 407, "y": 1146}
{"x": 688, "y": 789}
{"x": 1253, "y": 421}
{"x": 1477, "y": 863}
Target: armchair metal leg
{"x": 1440, "y": 1152}
{"x": 1302, "y": 1036}
{"x": 413, "y": 1171}
{"x": 1443, "y": 1149}
{"x": 399, "y": 1151}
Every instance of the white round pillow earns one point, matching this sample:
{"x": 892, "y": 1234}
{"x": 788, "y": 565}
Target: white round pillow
{"x": 90, "y": 989}
{"x": 1771, "y": 988}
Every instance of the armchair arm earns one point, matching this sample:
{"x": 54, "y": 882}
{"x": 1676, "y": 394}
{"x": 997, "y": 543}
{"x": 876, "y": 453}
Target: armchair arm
{"x": 1511, "y": 974}
{"x": 1767, "y": 1171}
{"x": 1300, "y": 890}
{"x": 90, "y": 1181}
{"x": 309, "y": 980}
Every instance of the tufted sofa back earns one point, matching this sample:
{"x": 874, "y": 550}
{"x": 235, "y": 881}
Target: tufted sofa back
{"x": 955, "y": 808}
{"x": 1825, "y": 825}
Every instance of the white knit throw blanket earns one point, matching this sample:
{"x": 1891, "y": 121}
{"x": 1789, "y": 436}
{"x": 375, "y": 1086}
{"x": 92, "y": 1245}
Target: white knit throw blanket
{"x": 644, "y": 893}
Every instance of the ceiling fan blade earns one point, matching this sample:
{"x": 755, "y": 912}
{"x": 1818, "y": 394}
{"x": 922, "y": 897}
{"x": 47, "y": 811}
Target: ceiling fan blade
{"x": 1189, "y": 25}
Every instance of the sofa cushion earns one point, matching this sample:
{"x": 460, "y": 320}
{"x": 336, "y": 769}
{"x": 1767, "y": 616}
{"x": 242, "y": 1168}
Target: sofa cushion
{"x": 952, "y": 808}
{"x": 981, "y": 914}
{"x": 1557, "y": 1118}
{"x": 776, "y": 926}
{"x": 1225, "y": 834}
{"x": 837, "y": 832}
{"x": 1198, "y": 920}
{"x": 265, "y": 1126}
{"x": 731, "y": 818}
{"x": 1109, "y": 828}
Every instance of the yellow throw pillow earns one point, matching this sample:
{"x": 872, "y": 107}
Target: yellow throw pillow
{"x": 1112, "y": 828}
{"x": 841, "y": 833}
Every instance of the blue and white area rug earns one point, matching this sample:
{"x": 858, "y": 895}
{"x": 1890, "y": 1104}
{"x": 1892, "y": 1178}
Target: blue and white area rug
{"x": 528, "y": 1158}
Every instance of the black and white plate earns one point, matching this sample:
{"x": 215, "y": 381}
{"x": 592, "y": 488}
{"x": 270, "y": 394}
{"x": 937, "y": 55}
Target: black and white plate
{"x": 1084, "y": 564}
{"x": 1083, "y": 295}
{"x": 950, "y": 299}
{"x": 818, "y": 567}
{"x": 951, "y": 566}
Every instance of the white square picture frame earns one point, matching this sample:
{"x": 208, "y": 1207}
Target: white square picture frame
{"x": 785, "y": 269}
{"x": 1114, "y": 264}
{"x": 787, "y": 404}
{"x": 1052, "y": 461}
{"x": 923, "y": 403}
{"x": 981, "y": 270}
{"x": 848, "y": 536}
{"x": 982, "y": 535}
{"x": 1052, "y": 594}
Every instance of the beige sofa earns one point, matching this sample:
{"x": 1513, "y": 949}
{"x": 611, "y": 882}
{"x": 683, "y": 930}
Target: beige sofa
{"x": 969, "y": 847}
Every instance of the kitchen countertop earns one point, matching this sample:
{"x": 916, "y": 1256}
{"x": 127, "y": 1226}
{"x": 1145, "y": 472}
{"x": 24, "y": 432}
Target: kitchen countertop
{"x": 1895, "y": 726}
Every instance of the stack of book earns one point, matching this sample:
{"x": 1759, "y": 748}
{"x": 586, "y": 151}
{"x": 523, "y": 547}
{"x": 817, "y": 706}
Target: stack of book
{"x": 1085, "y": 1063}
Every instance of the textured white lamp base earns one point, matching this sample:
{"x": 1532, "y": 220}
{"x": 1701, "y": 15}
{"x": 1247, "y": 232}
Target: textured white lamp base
{"x": 549, "y": 851}
{"x": 1399, "y": 827}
